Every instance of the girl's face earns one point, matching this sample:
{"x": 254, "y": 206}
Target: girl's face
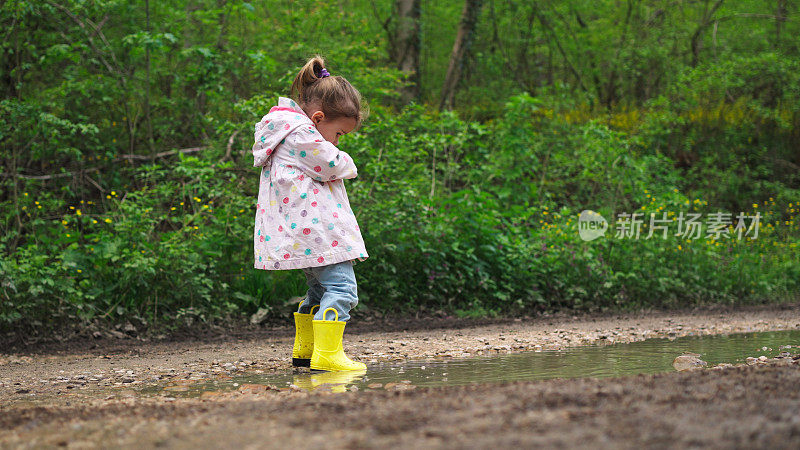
{"x": 332, "y": 129}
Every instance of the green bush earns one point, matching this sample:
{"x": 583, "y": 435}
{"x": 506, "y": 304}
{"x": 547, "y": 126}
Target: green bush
{"x": 459, "y": 217}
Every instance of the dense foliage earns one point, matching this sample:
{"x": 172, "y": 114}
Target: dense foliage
{"x": 127, "y": 189}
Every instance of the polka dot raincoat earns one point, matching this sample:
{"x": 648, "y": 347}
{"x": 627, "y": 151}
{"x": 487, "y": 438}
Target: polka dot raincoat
{"x": 303, "y": 216}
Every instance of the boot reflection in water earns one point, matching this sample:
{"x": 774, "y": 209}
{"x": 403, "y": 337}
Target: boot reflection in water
{"x": 335, "y": 381}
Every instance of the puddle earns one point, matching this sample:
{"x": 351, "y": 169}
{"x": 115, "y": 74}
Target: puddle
{"x": 644, "y": 357}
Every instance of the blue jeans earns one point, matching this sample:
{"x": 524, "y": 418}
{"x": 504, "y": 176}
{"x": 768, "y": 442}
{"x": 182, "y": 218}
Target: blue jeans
{"x": 332, "y": 286}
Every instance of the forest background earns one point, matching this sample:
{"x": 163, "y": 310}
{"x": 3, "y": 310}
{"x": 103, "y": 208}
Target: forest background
{"x": 127, "y": 190}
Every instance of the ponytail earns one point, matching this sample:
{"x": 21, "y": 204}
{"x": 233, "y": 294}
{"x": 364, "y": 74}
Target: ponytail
{"x": 308, "y": 75}
{"x": 333, "y": 95}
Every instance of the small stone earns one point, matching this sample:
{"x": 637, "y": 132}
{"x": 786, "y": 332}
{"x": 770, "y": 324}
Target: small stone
{"x": 252, "y": 388}
{"x": 260, "y": 316}
{"x": 688, "y": 362}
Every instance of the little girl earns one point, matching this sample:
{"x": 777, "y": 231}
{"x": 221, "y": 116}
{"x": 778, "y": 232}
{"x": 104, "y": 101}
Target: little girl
{"x": 303, "y": 216}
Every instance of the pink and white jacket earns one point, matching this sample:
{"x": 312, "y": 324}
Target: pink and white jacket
{"x": 303, "y": 216}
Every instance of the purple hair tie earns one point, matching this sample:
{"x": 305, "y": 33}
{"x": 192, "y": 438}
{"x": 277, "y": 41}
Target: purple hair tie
{"x": 324, "y": 73}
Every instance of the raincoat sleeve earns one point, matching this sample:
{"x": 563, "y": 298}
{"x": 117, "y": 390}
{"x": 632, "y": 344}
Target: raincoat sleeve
{"x": 262, "y": 148}
{"x": 320, "y": 159}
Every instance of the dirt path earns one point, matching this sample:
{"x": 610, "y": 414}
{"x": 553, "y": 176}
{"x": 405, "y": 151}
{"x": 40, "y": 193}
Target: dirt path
{"x": 89, "y": 394}
{"x": 117, "y": 364}
{"x": 742, "y": 407}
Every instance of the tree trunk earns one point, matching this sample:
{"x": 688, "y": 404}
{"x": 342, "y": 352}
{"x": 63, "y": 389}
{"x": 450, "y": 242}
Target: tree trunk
{"x": 150, "y": 140}
{"x": 697, "y": 36}
{"x": 610, "y": 96}
{"x": 466, "y": 31}
{"x": 406, "y": 46}
{"x": 780, "y": 15}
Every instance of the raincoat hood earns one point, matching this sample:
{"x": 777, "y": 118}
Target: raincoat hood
{"x": 274, "y": 127}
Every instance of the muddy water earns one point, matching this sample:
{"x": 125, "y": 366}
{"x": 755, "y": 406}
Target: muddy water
{"x": 644, "y": 357}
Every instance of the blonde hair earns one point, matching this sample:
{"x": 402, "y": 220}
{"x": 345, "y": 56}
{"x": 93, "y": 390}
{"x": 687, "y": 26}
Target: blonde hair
{"x": 334, "y": 95}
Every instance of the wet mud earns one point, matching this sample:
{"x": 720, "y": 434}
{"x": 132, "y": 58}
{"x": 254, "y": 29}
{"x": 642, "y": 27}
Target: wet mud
{"x": 97, "y": 397}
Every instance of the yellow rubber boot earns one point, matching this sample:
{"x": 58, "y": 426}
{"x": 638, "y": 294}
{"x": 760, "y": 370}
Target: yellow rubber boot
{"x": 303, "y": 338}
{"x": 328, "y": 354}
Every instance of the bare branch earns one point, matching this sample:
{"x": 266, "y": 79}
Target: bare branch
{"x": 753, "y": 16}
{"x": 100, "y": 25}
{"x": 161, "y": 155}
{"x": 384, "y": 23}
{"x": 546, "y": 25}
{"x": 48, "y": 177}
{"x": 95, "y": 183}
{"x": 117, "y": 71}
{"x": 229, "y": 147}
{"x": 128, "y": 157}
